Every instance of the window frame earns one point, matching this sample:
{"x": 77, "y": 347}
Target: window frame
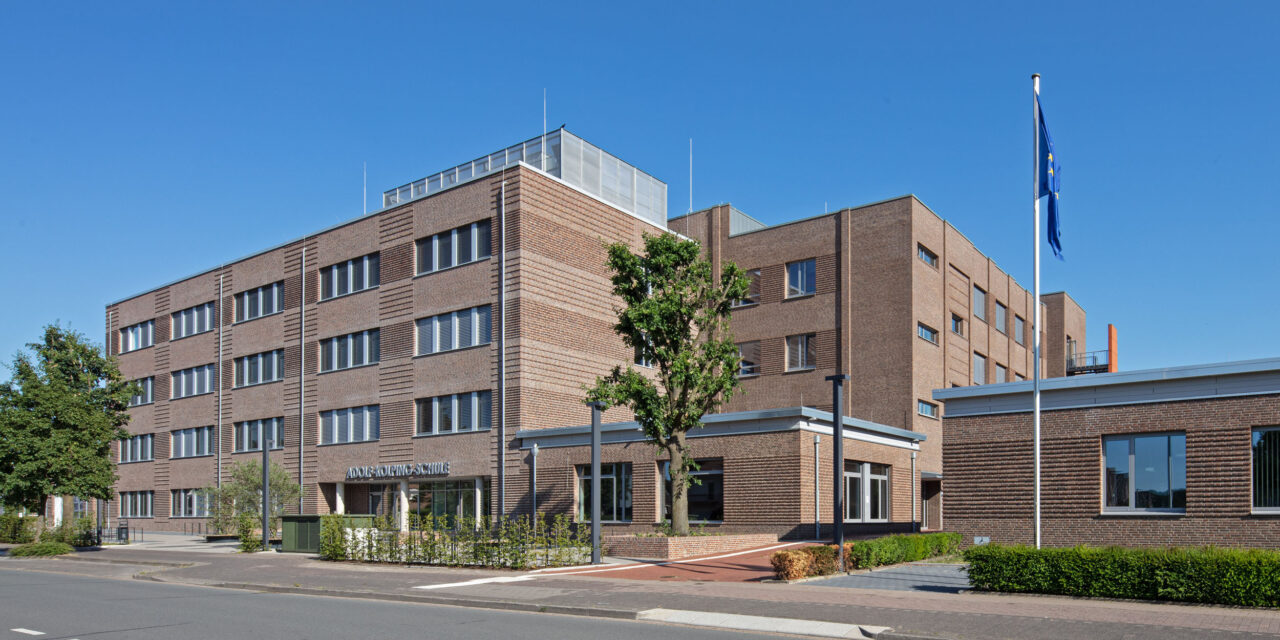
{"x": 1002, "y": 318}
{"x": 178, "y": 443}
{"x": 242, "y": 302}
{"x": 978, "y": 357}
{"x": 859, "y": 510}
{"x": 338, "y": 353}
{"x": 809, "y": 267}
{"x": 753, "y": 291}
{"x": 135, "y": 499}
{"x": 144, "y": 443}
{"x": 428, "y": 412}
{"x": 146, "y": 332}
{"x": 371, "y": 427}
{"x": 1019, "y": 330}
{"x": 178, "y": 381}
{"x": 932, "y": 409}
{"x": 370, "y": 273}
{"x": 809, "y": 345}
{"x": 1273, "y": 474}
{"x": 428, "y": 249}
{"x": 957, "y": 321}
{"x": 979, "y": 309}
{"x": 926, "y": 255}
{"x": 664, "y": 493}
{"x": 206, "y": 311}
{"x": 241, "y": 431}
{"x": 1130, "y": 509}
{"x": 753, "y": 370}
{"x": 255, "y": 362}
{"x": 148, "y": 395}
{"x": 197, "y": 499}
{"x": 922, "y": 329}
{"x": 622, "y": 475}
{"x": 481, "y": 330}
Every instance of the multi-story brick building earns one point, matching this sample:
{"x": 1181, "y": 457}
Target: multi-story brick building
{"x": 1181, "y": 456}
{"x": 411, "y": 358}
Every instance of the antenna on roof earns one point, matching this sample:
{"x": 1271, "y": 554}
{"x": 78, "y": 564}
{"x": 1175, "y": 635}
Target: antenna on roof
{"x": 365, "y": 193}
{"x": 543, "y": 160}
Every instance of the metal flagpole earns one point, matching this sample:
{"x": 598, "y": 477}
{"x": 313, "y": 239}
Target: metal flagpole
{"x": 1035, "y": 325}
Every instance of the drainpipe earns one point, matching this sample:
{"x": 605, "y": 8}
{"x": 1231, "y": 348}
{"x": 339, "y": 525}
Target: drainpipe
{"x": 218, "y": 360}
{"x": 914, "y": 482}
{"x": 502, "y": 350}
{"x": 817, "y": 513}
{"x": 302, "y": 368}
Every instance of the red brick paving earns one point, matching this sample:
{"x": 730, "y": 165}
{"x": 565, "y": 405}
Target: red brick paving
{"x": 749, "y": 566}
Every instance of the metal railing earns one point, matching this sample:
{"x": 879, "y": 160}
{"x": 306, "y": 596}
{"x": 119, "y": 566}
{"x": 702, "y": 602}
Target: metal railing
{"x": 1088, "y": 362}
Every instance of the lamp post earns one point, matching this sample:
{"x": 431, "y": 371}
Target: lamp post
{"x": 837, "y": 434}
{"x": 533, "y": 485}
{"x": 266, "y": 490}
{"x": 596, "y": 408}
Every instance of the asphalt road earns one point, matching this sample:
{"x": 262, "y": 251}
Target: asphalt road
{"x": 60, "y": 606}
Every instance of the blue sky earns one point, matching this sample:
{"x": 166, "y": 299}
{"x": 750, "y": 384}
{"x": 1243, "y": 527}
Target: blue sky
{"x": 125, "y": 126}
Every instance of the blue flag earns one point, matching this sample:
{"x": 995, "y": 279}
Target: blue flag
{"x": 1050, "y": 181}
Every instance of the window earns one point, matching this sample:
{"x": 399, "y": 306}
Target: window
{"x": 191, "y": 443}
{"x": 979, "y": 368}
{"x": 1002, "y": 318}
{"x": 248, "y": 434}
{"x": 456, "y": 413}
{"x": 957, "y": 325}
{"x": 1266, "y": 469}
{"x": 136, "y": 504}
{"x": 455, "y": 330}
{"x": 706, "y": 497}
{"x": 352, "y": 350}
{"x": 263, "y": 301}
{"x": 800, "y": 278}
{"x": 138, "y": 336}
{"x": 447, "y": 501}
{"x": 927, "y": 332}
{"x": 979, "y": 303}
{"x": 137, "y": 448}
{"x": 1019, "y": 377}
{"x": 79, "y": 507}
{"x": 1145, "y": 472}
{"x": 802, "y": 352}
{"x": 192, "y": 382}
{"x": 866, "y": 492}
{"x": 926, "y": 409}
{"x": 930, "y": 258}
{"x": 753, "y": 290}
{"x": 615, "y": 492}
{"x": 1002, "y": 374}
{"x": 356, "y": 424}
{"x": 642, "y": 358}
{"x": 260, "y": 368}
{"x": 749, "y": 353}
{"x": 1019, "y": 330}
{"x": 351, "y": 276}
{"x": 145, "y": 395}
{"x": 189, "y": 503}
{"x": 189, "y": 322}
{"x": 468, "y": 243}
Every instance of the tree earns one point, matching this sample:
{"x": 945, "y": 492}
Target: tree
{"x": 676, "y": 317}
{"x": 241, "y": 496}
{"x": 59, "y": 413}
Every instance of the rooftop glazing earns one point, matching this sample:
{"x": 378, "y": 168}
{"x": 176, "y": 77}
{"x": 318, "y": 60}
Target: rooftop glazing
{"x": 567, "y": 157}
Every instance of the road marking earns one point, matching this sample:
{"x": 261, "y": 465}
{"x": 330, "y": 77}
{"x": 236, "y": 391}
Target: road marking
{"x": 670, "y": 562}
{"x": 760, "y": 623}
{"x": 29, "y": 632}
{"x": 475, "y": 582}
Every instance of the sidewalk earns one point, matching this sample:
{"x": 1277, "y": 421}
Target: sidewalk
{"x": 956, "y": 616}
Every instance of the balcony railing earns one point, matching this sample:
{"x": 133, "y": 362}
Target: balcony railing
{"x": 1088, "y": 362}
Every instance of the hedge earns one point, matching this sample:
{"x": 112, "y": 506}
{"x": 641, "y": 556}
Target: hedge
{"x": 820, "y": 560}
{"x": 17, "y": 529}
{"x": 41, "y": 549}
{"x": 1205, "y": 575}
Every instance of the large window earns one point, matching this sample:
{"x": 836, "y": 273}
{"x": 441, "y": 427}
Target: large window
{"x": 189, "y": 503}
{"x": 138, "y": 336}
{"x": 979, "y": 303}
{"x": 446, "y": 501}
{"x": 800, "y": 278}
{"x": 753, "y": 290}
{"x": 189, "y": 322}
{"x": 749, "y": 356}
{"x": 1019, "y": 330}
{"x": 191, "y": 443}
{"x": 352, "y": 350}
{"x": 136, "y": 504}
{"x": 351, "y": 276}
{"x": 260, "y": 368}
{"x": 468, "y": 243}
{"x": 355, "y": 424}
{"x": 706, "y": 497}
{"x": 979, "y": 368}
{"x": 456, "y": 413}
{"x": 137, "y": 448}
{"x": 248, "y": 434}
{"x": 615, "y": 492}
{"x": 263, "y": 301}
{"x": 1002, "y": 318}
{"x": 866, "y": 492}
{"x": 802, "y": 352}
{"x": 1266, "y": 469}
{"x": 456, "y": 330}
{"x": 192, "y": 382}
{"x": 1145, "y": 472}
{"x": 144, "y": 396}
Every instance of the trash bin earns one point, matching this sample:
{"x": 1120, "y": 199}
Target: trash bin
{"x": 122, "y": 532}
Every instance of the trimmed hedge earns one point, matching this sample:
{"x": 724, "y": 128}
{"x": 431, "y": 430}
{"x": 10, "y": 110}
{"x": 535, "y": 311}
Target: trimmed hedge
{"x": 820, "y": 560}
{"x": 1206, "y": 575}
{"x": 41, "y": 549}
{"x": 17, "y": 529}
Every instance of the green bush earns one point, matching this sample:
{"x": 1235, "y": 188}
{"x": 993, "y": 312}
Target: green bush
{"x": 16, "y": 529}
{"x": 1206, "y": 575}
{"x": 250, "y": 540}
{"x": 48, "y": 548}
{"x": 864, "y": 554}
{"x": 333, "y": 533}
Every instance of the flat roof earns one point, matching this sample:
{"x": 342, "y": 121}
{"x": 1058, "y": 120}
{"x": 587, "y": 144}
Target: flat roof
{"x": 1169, "y": 384}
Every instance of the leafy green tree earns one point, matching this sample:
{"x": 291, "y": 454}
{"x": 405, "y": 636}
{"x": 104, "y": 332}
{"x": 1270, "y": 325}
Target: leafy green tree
{"x": 241, "y": 496}
{"x": 59, "y": 413}
{"x": 677, "y": 318}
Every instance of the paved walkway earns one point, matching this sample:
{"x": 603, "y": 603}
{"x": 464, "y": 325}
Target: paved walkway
{"x": 921, "y": 576}
{"x": 751, "y": 565}
{"x": 957, "y": 616}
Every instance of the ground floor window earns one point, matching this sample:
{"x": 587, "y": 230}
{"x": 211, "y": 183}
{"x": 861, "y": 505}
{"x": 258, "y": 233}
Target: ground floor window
{"x": 79, "y": 507}
{"x": 1266, "y": 469}
{"x": 615, "y": 492}
{"x": 136, "y": 504}
{"x": 189, "y": 503}
{"x": 866, "y": 492}
{"x": 1146, "y": 472}
{"x": 450, "y": 501}
{"x": 706, "y": 494}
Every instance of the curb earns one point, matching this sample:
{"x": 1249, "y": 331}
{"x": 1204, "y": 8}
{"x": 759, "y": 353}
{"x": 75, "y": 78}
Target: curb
{"x": 145, "y": 563}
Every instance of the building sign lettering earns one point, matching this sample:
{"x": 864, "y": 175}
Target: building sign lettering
{"x": 420, "y": 469}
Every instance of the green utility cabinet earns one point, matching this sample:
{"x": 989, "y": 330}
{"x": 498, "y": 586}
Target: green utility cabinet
{"x": 301, "y": 534}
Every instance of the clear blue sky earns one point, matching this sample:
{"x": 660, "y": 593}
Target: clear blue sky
{"x": 125, "y": 127}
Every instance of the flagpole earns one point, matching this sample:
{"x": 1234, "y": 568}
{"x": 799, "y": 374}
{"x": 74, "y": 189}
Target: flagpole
{"x": 1035, "y": 325}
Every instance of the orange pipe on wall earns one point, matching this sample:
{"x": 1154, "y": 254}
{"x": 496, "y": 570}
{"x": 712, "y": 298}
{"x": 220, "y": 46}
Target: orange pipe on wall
{"x": 1113, "y": 351}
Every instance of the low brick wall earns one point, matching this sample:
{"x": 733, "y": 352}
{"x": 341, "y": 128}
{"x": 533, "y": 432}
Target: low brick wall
{"x": 663, "y": 548}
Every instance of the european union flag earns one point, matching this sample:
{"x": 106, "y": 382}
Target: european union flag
{"x": 1050, "y": 181}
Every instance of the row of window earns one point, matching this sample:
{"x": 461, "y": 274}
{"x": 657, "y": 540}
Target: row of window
{"x": 455, "y": 247}
{"x": 979, "y": 306}
{"x": 191, "y": 443}
{"x": 802, "y": 354}
{"x": 189, "y": 322}
{"x": 183, "y": 503}
{"x": 260, "y": 368}
{"x": 352, "y": 350}
{"x": 137, "y": 448}
{"x": 351, "y": 276}
{"x": 247, "y": 435}
{"x": 801, "y": 281}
